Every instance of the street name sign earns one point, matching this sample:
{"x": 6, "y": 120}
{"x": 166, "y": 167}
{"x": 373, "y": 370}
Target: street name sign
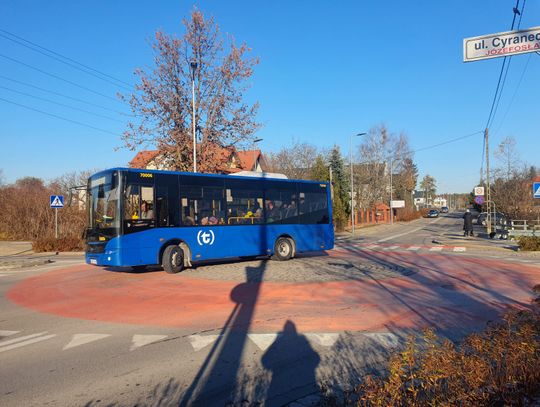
{"x": 57, "y": 201}
{"x": 479, "y": 200}
{"x": 536, "y": 189}
{"x": 478, "y": 191}
{"x": 501, "y": 44}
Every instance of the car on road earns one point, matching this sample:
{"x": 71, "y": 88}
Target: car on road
{"x": 444, "y": 209}
{"x": 433, "y": 213}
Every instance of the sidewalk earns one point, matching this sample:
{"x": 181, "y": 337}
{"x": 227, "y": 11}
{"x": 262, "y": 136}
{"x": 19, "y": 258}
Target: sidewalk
{"x": 14, "y": 255}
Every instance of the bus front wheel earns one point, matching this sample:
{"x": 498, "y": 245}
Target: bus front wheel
{"x": 283, "y": 249}
{"x": 173, "y": 259}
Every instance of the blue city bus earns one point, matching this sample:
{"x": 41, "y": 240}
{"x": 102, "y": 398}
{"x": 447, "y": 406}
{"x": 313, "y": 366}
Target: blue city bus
{"x": 139, "y": 218}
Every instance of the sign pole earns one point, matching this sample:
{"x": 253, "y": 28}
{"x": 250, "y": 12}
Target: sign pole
{"x": 56, "y": 223}
{"x": 488, "y": 188}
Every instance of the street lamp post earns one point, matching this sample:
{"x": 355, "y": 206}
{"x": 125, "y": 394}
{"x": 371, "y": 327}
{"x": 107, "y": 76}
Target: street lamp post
{"x": 352, "y": 186}
{"x": 391, "y": 195}
{"x": 193, "y": 65}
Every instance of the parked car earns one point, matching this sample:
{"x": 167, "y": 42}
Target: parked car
{"x": 433, "y": 213}
{"x": 501, "y": 219}
{"x": 444, "y": 209}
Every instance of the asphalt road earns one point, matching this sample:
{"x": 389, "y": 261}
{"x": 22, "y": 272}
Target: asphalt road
{"x": 242, "y": 333}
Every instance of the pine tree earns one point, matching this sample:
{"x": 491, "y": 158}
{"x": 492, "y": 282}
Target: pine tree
{"x": 319, "y": 171}
{"x": 341, "y": 189}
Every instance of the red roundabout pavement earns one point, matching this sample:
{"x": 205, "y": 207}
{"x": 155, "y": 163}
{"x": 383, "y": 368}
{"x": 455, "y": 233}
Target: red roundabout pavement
{"x": 446, "y": 292}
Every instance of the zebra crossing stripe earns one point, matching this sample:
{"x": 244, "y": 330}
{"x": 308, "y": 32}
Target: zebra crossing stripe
{"x": 460, "y": 249}
{"x": 393, "y": 248}
{"x": 23, "y": 341}
{"x": 83, "y": 339}
{"x": 436, "y": 249}
{"x": 7, "y": 333}
{"x": 414, "y": 248}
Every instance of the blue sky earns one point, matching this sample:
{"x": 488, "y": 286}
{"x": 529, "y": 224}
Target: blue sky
{"x": 327, "y": 70}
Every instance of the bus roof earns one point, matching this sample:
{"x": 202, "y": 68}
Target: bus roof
{"x": 264, "y": 176}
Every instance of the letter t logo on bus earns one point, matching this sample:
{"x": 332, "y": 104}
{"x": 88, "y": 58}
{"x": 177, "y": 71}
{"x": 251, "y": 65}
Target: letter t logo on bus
{"x": 205, "y": 237}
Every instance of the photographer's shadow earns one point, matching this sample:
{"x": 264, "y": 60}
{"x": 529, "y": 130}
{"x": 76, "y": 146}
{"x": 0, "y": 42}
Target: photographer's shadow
{"x": 293, "y": 362}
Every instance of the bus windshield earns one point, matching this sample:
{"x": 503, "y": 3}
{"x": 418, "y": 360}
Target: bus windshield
{"x": 104, "y": 210}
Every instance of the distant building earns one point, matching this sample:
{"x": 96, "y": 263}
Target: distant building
{"x": 419, "y": 199}
{"x": 439, "y": 202}
{"x": 234, "y": 160}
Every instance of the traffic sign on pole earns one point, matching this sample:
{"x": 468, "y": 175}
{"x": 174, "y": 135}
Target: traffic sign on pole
{"x": 478, "y": 191}
{"x": 57, "y": 201}
{"x": 479, "y": 200}
{"x": 536, "y": 189}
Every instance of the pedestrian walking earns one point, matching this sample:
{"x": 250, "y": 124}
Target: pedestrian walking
{"x": 467, "y": 223}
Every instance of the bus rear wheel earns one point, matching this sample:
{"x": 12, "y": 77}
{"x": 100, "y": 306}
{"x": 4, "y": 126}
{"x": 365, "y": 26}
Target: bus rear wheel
{"x": 283, "y": 249}
{"x": 173, "y": 259}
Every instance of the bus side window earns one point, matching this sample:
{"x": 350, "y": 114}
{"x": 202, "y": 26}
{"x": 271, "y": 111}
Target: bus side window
{"x": 244, "y": 203}
{"x": 313, "y": 205}
{"x": 162, "y": 206}
{"x": 139, "y": 207}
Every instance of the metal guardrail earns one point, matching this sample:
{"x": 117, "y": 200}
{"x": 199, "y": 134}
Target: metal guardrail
{"x": 524, "y": 228}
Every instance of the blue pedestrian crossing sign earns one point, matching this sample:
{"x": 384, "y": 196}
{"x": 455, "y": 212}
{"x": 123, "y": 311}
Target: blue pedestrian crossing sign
{"x": 536, "y": 189}
{"x": 57, "y": 201}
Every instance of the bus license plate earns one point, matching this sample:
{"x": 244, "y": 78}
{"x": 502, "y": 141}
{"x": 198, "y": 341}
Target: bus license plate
{"x": 93, "y": 261}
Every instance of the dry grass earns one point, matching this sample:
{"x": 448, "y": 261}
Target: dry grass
{"x": 499, "y": 366}
{"x": 26, "y": 215}
{"x": 407, "y": 214}
{"x": 529, "y": 243}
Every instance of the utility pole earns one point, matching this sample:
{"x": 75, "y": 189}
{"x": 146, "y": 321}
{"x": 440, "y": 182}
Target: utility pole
{"x": 193, "y": 65}
{"x": 331, "y": 183}
{"x": 352, "y": 187}
{"x": 488, "y": 187}
{"x": 391, "y": 197}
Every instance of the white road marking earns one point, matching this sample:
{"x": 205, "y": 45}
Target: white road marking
{"x": 460, "y": 249}
{"x": 8, "y": 333}
{"x": 82, "y": 339}
{"x": 436, "y": 249}
{"x": 19, "y": 344}
{"x": 414, "y": 248}
{"x": 323, "y": 339}
{"x": 21, "y": 338}
{"x": 263, "y": 341}
{"x": 392, "y": 248}
{"x": 406, "y": 233}
{"x": 201, "y": 341}
{"x": 371, "y": 247}
{"x": 143, "y": 340}
{"x": 386, "y": 339}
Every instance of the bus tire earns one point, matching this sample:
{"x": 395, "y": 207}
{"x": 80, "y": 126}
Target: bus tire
{"x": 283, "y": 249}
{"x": 173, "y": 259}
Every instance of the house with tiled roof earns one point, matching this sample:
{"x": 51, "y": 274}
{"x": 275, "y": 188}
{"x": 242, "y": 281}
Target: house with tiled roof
{"x": 235, "y": 160}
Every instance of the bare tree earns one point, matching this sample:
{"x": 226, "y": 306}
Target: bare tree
{"x": 429, "y": 186}
{"x": 162, "y": 101}
{"x": 380, "y": 153}
{"x": 296, "y": 161}
{"x": 508, "y": 158}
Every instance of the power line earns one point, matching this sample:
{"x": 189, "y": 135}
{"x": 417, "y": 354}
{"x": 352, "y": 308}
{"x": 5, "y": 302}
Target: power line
{"x": 61, "y": 104}
{"x": 63, "y": 95}
{"x": 448, "y": 141}
{"x": 63, "y": 59}
{"x": 57, "y": 77}
{"x": 58, "y": 117}
{"x": 499, "y": 88}
{"x": 515, "y": 93}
